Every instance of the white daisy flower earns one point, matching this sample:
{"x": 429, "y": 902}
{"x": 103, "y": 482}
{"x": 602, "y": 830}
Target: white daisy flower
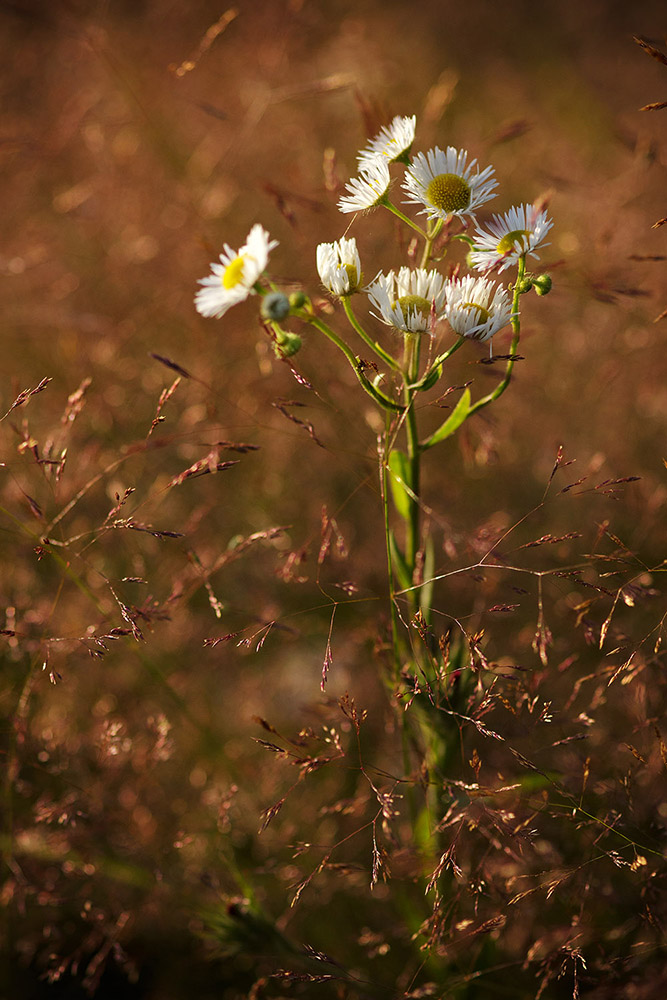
{"x": 339, "y": 266}
{"x": 393, "y": 142}
{"x": 232, "y": 279}
{"x": 509, "y": 237}
{"x": 367, "y": 190}
{"x": 446, "y": 184}
{"x": 408, "y": 299}
{"x": 476, "y": 308}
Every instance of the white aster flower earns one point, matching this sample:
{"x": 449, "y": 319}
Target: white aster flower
{"x": 476, "y": 308}
{"x": 367, "y": 190}
{"x": 446, "y": 184}
{"x": 339, "y": 266}
{"x": 232, "y": 279}
{"x": 407, "y": 300}
{"x": 509, "y": 237}
{"x": 393, "y": 142}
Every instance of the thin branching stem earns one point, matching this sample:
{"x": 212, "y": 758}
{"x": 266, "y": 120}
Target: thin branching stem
{"x": 367, "y": 339}
{"x": 384, "y": 401}
{"x": 516, "y": 328}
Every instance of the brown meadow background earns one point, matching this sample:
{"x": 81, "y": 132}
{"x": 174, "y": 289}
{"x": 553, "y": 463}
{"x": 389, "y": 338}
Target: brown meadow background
{"x": 134, "y": 783}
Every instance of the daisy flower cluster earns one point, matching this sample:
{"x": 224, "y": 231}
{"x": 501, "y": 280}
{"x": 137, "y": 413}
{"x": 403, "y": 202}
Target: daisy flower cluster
{"x": 445, "y": 186}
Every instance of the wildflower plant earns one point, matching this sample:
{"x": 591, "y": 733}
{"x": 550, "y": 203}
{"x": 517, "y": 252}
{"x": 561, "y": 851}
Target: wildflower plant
{"x": 417, "y": 303}
{"x": 432, "y": 311}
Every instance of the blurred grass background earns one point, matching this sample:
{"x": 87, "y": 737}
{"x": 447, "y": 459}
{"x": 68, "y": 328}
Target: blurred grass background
{"x": 133, "y": 788}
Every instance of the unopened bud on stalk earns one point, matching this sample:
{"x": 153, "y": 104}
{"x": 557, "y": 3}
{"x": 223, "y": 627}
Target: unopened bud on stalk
{"x": 524, "y": 285}
{"x": 275, "y": 306}
{"x": 298, "y": 300}
{"x": 542, "y": 284}
{"x": 287, "y": 344}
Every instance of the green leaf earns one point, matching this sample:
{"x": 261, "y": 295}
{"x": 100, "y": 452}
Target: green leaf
{"x": 426, "y": 590}
{"x": 453, "y": 421}
{"x": 403, "y": 574}
{"x": 399, "y": 469}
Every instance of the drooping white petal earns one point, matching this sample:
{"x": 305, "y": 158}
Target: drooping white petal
{"x": 368, "y": 189}
{"x": 476, "y": 308}
{"x": 392, "y": 142}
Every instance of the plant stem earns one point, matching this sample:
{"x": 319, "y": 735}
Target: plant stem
{"x": 516, "y": 327}
{"x": 430, "y": 239}
{"x": 411, "y": 369}
{"x": 374, "y": 346}
{"x": 384, "y": 401}
{"x": 397, "y": 212}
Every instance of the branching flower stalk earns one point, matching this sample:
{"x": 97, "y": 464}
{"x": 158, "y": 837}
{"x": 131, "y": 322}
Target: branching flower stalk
{"x": 416, "y": 303}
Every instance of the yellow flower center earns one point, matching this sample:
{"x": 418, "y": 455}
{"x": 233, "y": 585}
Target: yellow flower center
{"x": 413, "y": 304}
{"x": 233, "y": 273}
{"x": 484, "y": 314}
{"x": 520, "y": 236}
{"x": 354, "y": 279}
{"x": 449, "y": 193}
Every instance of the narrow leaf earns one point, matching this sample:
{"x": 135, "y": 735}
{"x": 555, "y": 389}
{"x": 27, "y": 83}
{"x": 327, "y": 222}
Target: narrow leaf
{"x": 399, "y": 467}
{"x": 453, "y": 421}
{"x": 398, "y": 562}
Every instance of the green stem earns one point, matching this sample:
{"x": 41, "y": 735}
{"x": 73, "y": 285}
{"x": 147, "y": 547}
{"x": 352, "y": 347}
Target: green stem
{"x": 412, "y": 345}
{"x": 384, "y": 401}
{"x": 431, "y": 376}
{"x": 516, "y": 327}
{"x": 430, "y": 239}
{"x": 384, "y": 493}
{"x": 374, "y": 346}
{"x": 397, "y": 212}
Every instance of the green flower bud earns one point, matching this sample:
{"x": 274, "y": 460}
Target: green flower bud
{"x": 275, "y": 306}
{"x": 524, "y": 285}
{"x": 287, "y": 345}
{"x": 297, "y": 300}
{"x": 542, "y": 284}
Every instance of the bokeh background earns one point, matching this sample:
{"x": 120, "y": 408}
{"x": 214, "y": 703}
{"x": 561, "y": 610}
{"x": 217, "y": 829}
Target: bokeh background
{"x": 133, "y": 146}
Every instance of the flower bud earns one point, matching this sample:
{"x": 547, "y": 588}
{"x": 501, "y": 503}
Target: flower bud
{"x": 287, "y": 345}
{"x": 542, "y": 284}
{"x": 298, "y": 300}
{"x": 524, "y": 285}
{"x": 275, "y": 306}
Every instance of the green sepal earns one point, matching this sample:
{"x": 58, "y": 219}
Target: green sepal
{"x": 399, "y": 469}
{"x": 399, "y": 564}
{"x": 453, "y": 421}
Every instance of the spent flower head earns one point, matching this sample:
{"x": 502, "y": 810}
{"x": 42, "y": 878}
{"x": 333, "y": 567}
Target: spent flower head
{"x": 393, "y": 142}
{"x": 476, "y": 308}
{"x": 409, "y": 299}
{"x": 369, "y": 189}
{"x": 339, "y": 266}
{"x": 508, "y": 237}
{"x": 446, "y": 184}
{"x": 233, "y": 278}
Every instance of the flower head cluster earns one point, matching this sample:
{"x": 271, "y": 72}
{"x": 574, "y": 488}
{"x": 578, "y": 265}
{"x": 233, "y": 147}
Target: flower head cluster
{"x": 369, "y": 189}
{"x": 409, "y": 301}
{"x": 392, "y": 143}
{"x": 339, "y": 266}
{"x": 508, "y": 237}
{"x": 477, "y": 308}
{"x": 232, "y": 280}
{"x": 446, "y": 184}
